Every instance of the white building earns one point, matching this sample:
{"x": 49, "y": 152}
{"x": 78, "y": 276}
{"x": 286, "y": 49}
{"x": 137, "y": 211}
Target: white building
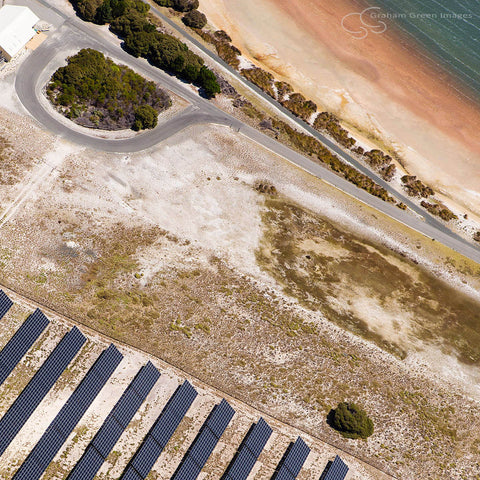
{"x": 16, "y": 29}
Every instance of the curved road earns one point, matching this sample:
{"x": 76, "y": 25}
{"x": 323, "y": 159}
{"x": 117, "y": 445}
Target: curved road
{"x": 75, "y": 34}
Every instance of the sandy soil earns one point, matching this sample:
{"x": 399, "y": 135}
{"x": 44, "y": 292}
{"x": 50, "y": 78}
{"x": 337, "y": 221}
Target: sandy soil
{"x": 377, "y": 83}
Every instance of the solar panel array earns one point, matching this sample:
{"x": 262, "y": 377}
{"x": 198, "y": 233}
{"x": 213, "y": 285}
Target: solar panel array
{"x": 31, "y": 396}
{"x": 116, "y": 422}
{"x": 160, "y": 433}
{"x": 121, "y": 415}
{"x": 205, "y": 442}
{"x": 20, "y": 343}
{"x": 70, "y": 414}
{"x": 337, "y": 470}
{"x": 5, "y": 304}
{"x": 293, "y": 461}
{"x": 249, "y": 451}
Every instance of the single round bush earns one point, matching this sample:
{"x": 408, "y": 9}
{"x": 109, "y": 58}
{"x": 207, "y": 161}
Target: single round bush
{"x": 351, "y": 421}
{"x": 145, "y": 117}
{"x": 194, "y": 19}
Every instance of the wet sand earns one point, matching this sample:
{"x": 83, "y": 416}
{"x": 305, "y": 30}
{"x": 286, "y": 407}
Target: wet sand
{"x": 380, "y": 84}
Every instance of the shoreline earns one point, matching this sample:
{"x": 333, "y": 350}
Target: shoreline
{"x": 397, "y": 98}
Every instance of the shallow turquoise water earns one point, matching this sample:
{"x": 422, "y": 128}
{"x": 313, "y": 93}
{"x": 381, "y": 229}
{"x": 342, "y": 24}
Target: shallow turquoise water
{"x": 448, "y": 31}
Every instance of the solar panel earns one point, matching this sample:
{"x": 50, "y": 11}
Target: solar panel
{"x": 249, "y": 451}
{"x": 107, "y": 437}
{"x": 293, "y": 460}
{"x": 188, "y": 470}
{"x": 70, "y": 414}
{"x": 145, "y": 380}
{"x": 148, "y": 454}
{"x": 38, "y": 387}
{"x": 125, "y": 409}
{"x": 337, "y": 470}
{"x": 258, "y": 437}
{"x": 283, "y": 475}
{"x": 131, "y": 474}
{"x": 205, "y": 442}
{"x": 5, "y": 304}
{"x": 20, "y": 343}
{"x": 173, "y": 413}
{"x": 92, "y": 461}
{"x": 220, "y": 418}
{"x": 241, "y": 466}
{"x": 161, "y": 432}
{"x": 116, "y": 422}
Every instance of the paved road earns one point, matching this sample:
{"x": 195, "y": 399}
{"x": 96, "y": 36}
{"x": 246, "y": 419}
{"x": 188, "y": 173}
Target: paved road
{"x": 75, "y": 34}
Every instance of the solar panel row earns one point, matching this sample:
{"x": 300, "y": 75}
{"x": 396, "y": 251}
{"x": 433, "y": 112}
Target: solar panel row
{"x": 114, "y": 425}
{"x": 205, "y": 442}
{"x": 5, "y": 304}
{"x": 21, "y": 342}
{"x": 38, "y": 387}
{"x": 68, "y": 417}
{"x": 249, "y": 451}
{"x": 293, "y": 461}
{"x": 337, "y": 470}
{"x": 160, "y": 433}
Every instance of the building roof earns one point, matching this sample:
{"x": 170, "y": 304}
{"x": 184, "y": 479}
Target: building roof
{"x": 16, "y": 28}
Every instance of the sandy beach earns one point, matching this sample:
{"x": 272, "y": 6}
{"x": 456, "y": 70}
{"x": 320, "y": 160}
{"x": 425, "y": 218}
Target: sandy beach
{"x": 379, "y": 84}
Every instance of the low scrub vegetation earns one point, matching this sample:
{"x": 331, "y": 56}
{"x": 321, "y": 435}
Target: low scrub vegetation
{"x": 95, "y": 92}
{"x": 330, "y": 123}
{"x": 351, "y": 421}
{"x": 283, "y": 90}
{"x": 300, "y": 106}
{"x": 415, "y": 187}
{"x": 222, "y": 43}
{"x": 261, "y": 78}
{"x": 311, "y": 146}
{"x": 439, "y": 210}
{"x": 381, "y": 162}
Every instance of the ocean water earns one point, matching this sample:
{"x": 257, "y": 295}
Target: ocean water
{"x": 448, "y": 31}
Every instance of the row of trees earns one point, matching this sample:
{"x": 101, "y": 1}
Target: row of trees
{"x": 128, "y": 19}
{"x": 164, "y": 51}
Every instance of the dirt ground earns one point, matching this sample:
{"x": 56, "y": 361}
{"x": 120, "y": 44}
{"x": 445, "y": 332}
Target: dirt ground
{"x": 290, "y": 303}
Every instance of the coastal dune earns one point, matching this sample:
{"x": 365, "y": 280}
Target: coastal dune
{"x": 381, "y": 85}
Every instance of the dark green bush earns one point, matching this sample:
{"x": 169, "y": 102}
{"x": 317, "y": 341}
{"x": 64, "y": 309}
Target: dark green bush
{"x": 351, "y": 421}
{"x": 194, "y": 19}
{"x": 185, "y": 5}
{"x": 179, "y": 5}
{"x": 208, "y": 82}
{"x": 145, "y": 117}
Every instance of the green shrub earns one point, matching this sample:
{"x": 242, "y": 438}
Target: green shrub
{"x": 145, "y": 117}
{"x": 208, "y": 82}
{"x": 351, "y": 421}
{"x": 194, "y": 19}
{"x": 179, "y": 5}
{"x": 185, "y": 5}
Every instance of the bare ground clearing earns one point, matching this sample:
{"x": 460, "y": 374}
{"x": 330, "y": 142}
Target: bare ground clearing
{"x": 176, "y": 252}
